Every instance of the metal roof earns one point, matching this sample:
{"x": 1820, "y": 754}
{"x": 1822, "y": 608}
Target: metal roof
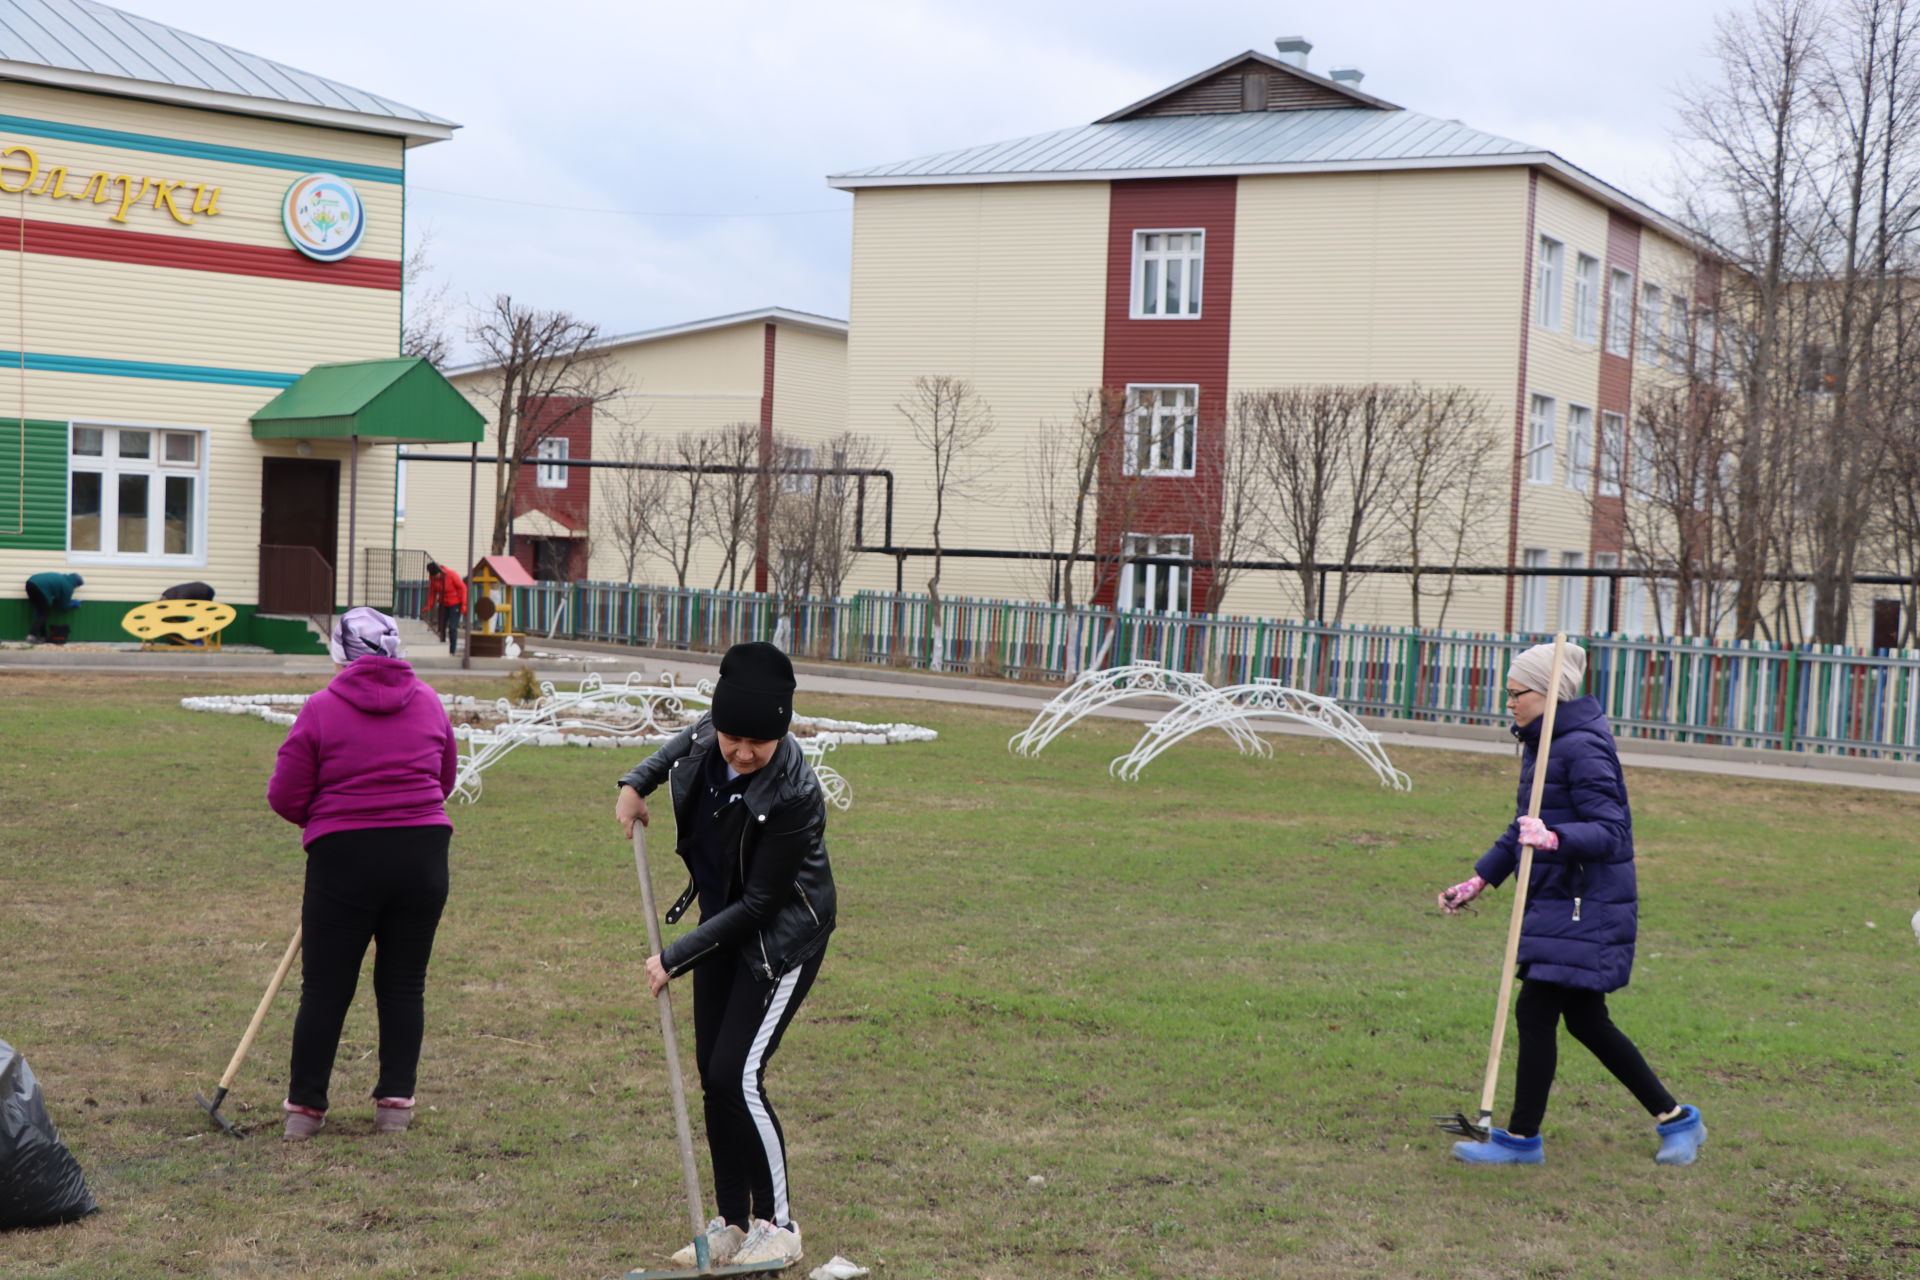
{"x": 1238, "y": 142}
{"x": 764, "y": 315}
{"x": 87, "y": 45}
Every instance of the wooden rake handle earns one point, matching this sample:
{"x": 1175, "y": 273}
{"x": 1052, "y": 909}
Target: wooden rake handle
{"x": 1522, "y": 878}
{"x": 675, "y": 1083}
{"x": 260, "y": 1014}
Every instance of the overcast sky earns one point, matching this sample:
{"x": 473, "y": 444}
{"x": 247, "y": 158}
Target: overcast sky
{"x": 643, "y": 163}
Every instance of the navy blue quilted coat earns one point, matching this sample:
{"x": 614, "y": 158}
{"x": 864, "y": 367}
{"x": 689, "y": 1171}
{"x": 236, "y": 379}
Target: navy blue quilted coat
{"x": 1582, "y": 906}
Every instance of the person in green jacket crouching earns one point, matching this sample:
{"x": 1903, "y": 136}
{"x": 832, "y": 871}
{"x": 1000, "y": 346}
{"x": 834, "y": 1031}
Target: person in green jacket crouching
{"x": 47, "y": 592}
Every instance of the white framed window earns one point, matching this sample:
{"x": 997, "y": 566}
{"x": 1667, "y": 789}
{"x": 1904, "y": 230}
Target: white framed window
{"x": 1579, "y": 448}
{"x": 1633, "y": 603}
{"x": 1573, "y": 593}
{"x": 1160, "y": 430}
{"x": 550, "y": 477}
{"x": 1158, "y": 588}
{"x": 1653, "y": 323}
{"x": 1586, "y": 298}
{"x": 1619, "y": 312}
{"x": 1679, "y": 334}
{"x": 1538, "y": 461}
{"x": 136, "y": 494}
{"x": 1548, "y": 268}
{"x": 794, "y": 460}
{"x": 1640, "y": 462}
{"x": 1167, "y": 270}
{"x": 1600, "y": 609}
{"x": 1613, "y": 453}
{"x": 1533, "y": 590}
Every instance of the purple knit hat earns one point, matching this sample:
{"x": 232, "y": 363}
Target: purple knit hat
{"x": 364, "y": 633}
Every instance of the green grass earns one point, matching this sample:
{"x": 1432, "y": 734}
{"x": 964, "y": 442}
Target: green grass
{"x": 1212, "y": 1010}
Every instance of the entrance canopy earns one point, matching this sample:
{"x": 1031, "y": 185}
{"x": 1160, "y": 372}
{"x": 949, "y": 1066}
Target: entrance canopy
{"x": 380, "y": 401}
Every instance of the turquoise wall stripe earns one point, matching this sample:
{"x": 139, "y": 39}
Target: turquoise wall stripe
{"x": 147, "y": 369}
{"x": 200, "y": 150}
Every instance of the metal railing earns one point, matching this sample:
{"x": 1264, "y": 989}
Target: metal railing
{"x": 296, "y": 580}
{"x": 1811, "y": 698}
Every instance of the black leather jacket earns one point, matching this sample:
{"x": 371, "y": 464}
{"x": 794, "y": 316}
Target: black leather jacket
{"x": 780, "y": 895}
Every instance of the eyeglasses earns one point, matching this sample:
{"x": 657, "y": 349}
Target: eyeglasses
{"x": 1514, "y": 695}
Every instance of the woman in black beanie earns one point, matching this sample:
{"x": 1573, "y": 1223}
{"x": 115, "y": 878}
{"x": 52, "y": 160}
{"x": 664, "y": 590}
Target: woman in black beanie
{"x": 752, "y": 830}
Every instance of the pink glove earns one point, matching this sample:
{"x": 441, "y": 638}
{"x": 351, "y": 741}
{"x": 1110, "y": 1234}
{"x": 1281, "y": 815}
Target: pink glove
{"x": 1451, "y": 900}
{"x": 1534, "y": 832}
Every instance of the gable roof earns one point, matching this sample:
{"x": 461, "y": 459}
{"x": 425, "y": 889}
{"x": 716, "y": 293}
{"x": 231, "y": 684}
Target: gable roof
{"x": 83, "y": 44}
{"x": 764, "y": 315}
{"x": 1221, "y": 88}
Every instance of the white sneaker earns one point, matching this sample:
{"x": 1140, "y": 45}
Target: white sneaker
{"x": 723, "y": 1245}
{"x": 768, "y": 1243}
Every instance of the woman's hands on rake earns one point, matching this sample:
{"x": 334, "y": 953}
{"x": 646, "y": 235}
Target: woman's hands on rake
{"x": 657, "y": 977}
{"x": 1534, "y": 832}
{"x": 1452, "y": 899}
{"x": 630, "y": 808}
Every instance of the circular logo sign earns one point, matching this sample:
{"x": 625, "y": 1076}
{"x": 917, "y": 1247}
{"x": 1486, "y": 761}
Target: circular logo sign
{"x": 323, "y": 216}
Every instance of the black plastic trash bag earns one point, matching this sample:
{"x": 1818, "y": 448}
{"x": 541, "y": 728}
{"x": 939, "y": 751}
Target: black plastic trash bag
{"x": 40, "y": 1181}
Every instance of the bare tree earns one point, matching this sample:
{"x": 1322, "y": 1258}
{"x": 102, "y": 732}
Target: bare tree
{"x": 1442, "y": 481}
{"x": 1232, "y": 501}
{"x": 730, "y": 514}
{"x": 543, "y": 370}
{"x": 949, "y": 420}
{"x": 628, "y": 503}
{"x": 423, "y": 331}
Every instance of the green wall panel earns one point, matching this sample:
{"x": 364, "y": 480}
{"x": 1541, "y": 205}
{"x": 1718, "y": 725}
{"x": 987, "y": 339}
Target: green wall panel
{"x": 100, "y": 620}
{"x": 33, "y": 499}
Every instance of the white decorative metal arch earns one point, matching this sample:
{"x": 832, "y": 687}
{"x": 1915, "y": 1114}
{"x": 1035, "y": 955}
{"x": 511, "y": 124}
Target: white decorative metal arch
{"x": 1238, "y": 704}
{"x": 1095, "y": 689}
{"x": 628, "y": 710}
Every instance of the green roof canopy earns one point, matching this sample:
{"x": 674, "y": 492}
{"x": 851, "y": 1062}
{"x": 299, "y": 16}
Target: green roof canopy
{"x": 386, "y": 400}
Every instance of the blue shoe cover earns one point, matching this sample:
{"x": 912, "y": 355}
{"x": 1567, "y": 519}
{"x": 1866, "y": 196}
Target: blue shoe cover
{"x": 1681, "y": 1138}
{"x": 1502, "y": 1148}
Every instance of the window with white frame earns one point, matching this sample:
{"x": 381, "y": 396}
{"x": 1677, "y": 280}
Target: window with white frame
{"x": 1613, "y": 453}
{"x": 1640, "y": 462}
{"x": 1158, "y": 588}
{"x": 1547, "y": 268}
{"x": 1167, "y": 268}
{"x": 1579, "y": 447}
{"x": 1573, "y": 593}
{"x": 1600, "y": 611}
{"x": 136, "y": 494}
{"x": 1539, "y": 456}
{"x": 1633, "y": 604}
{"x": 1160, "y": 430}
{"x": 794, "y": 461}
{"x": 1533, "y": 590}
{"x": 1619, "y": 312}
{"x": 1653, "y": 323}
{"x": 547, "y": 476}
{"x": 1586, "y": 298}
{"x": 1679, "y": 334}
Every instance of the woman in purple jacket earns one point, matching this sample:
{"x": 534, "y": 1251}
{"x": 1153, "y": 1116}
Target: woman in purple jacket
{"x": 1576, "y": 942}
{"x": 366, "y": 771}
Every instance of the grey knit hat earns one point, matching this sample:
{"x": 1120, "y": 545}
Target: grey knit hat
{"x": 1534, "y": 668}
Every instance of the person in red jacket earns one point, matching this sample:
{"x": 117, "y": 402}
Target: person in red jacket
{"x": 446, "y": 590}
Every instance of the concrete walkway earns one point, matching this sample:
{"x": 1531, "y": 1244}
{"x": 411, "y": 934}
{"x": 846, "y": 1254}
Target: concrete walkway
{"x": 566, "y": 663}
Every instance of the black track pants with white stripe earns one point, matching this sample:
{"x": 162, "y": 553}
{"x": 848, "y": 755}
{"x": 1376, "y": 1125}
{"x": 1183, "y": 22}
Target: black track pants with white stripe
{"x": 738, "y": 1019}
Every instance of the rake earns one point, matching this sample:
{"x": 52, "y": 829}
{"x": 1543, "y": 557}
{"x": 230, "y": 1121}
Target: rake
{"x": 212, "y": 1106}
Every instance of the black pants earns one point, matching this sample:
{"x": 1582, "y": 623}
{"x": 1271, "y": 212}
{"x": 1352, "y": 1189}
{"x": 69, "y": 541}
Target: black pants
{"x": 738, "y": 1019}
{"x": 450, "y": 617}
{"x": 387, "y": 886}
{"x": 42, "y": 608}
{"x": 1538, "y": 1014}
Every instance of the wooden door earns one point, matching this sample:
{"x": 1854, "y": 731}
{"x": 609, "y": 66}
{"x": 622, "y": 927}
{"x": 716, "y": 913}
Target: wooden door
{"x": 299, "y": 510}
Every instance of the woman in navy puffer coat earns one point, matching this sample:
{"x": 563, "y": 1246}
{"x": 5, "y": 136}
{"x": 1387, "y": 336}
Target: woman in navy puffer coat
{"x": 1576, "y": 942}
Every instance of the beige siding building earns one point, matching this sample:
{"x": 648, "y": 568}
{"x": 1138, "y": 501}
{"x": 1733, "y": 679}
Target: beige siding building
{"x": 187, "y": 231}
{"x": 1254, "y": 228}
{"x": 773, "y": 379}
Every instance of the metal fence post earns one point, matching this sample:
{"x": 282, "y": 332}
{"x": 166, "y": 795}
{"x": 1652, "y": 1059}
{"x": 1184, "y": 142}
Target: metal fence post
{"x": 1793, "y": 698}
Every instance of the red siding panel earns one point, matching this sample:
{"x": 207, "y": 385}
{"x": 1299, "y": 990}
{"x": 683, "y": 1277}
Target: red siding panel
{"x": 1616, "y": 373}
{"x": 146, "y": 248}
{"x": 1160, "y": 352}
{"x": 571, "y": 504}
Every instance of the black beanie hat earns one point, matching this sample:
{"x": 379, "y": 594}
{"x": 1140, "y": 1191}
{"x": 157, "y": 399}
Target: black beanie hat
{"x": 754, "y": 695}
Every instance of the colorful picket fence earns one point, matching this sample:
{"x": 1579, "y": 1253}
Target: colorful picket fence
{"x": 1816, "y": 699}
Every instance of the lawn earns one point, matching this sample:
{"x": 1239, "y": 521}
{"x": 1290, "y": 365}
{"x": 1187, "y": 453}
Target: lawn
{"x": 1192, "y": 1026}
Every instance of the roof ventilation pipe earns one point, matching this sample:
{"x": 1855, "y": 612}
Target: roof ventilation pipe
{"x": 1294, "y": 50}
{"x": 1350, "y": 76}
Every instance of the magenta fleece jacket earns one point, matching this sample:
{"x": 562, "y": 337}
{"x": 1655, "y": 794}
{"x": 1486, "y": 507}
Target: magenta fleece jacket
{"x": 372, "y": 749}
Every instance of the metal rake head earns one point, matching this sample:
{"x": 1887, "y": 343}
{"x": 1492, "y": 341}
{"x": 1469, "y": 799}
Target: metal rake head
{"x": 1458, "y": 1125}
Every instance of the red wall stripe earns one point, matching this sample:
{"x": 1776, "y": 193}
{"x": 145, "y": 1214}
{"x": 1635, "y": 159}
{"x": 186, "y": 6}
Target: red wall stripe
{"x": 1171, "y": 352}
{"x": 146, "y": 248}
